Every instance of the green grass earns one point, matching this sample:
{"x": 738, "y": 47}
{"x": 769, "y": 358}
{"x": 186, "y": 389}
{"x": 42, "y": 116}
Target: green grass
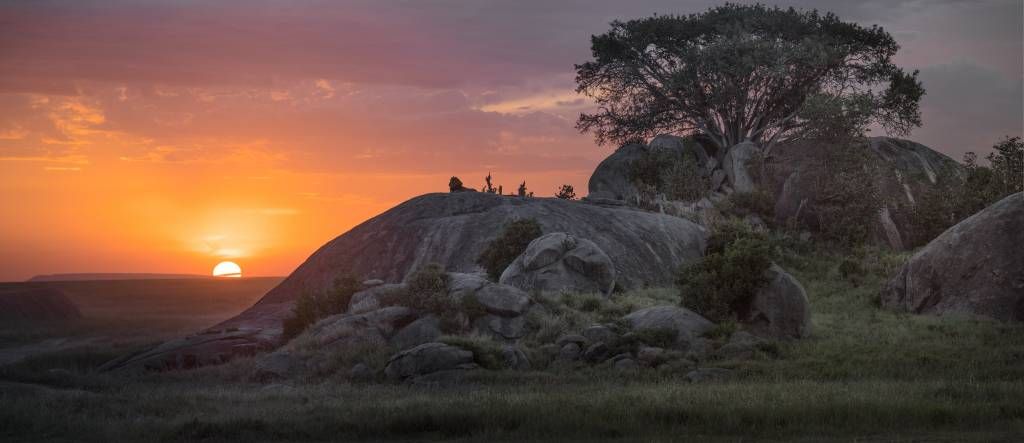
{"x": 864, "y": 374}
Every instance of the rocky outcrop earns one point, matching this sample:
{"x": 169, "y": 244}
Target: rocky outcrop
{"x": 780, "y": 309}
{"x": 686, "y": 324}
{"x": 975, "y": 267}
{"x": 452, "y": 229}
{"x": 31, "y": 304}
{"x": 559, "y": 261}
{"x": 611, "y": 178}
{"x": 792, "y": 173}
{"x": 901, "y": 169}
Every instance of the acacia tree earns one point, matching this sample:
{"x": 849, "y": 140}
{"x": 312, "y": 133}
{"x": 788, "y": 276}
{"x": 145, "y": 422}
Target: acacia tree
{"x": 736, "y": 73}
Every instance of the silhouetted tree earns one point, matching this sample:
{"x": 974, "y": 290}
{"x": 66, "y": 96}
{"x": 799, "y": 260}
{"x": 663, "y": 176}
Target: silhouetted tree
{"x": 487, "y": 184}
{"x": 737, "y": 72}
{"x": 566, "y": 192}
{"x": 522, "y": 189}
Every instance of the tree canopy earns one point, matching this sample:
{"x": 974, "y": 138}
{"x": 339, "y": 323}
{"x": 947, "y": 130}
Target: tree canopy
{"x": 737, "y": 73}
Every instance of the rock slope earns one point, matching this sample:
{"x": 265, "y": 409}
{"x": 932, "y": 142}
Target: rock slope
{"x": 36, "y": 304}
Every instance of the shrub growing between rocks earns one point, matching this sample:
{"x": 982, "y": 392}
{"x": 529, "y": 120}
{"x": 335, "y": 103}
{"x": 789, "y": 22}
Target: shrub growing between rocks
{"x": 309, "y": 307}
{"x": 663, "y": 171}
{"x": 758, "y": 202}
{"x": 731, "y": 272}
{"x": 427, "y": 291}
{"x": 504, "y": 249}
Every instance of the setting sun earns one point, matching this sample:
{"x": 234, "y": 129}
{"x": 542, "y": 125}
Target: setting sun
{"x": 227, "y": 269}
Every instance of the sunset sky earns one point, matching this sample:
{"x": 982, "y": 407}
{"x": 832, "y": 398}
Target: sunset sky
{"x": 165, "y": 136}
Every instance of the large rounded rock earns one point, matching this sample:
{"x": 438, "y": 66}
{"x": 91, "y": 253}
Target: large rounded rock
{"x": 559, "y": 261}
{"x": 688, "y": 325}
{"x": 901, "y": 169}
{"x": 453, "y": 228}
{"x": 975, "y": 267}
{"x": 612, "y": 179}
{"x": 780, "y": 309}
{"x": 426, "y": 359}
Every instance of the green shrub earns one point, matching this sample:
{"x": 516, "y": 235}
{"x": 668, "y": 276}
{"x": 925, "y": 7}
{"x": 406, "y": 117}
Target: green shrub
{"x": 759, "y": 203}
{"x": 310, "y": 308}
{"x": 512, "y": 241}
{"x": 957, "y": 197}
{"x": 852, "y": 270}
{"x": 733, "y": 269}
{"x": 847, "y": 199}
{"x": 336, "y": 300}
{"x": 486, "y": 352}
{"x": 427, "y": 291}
{"x": 722, "y": 331}
{"x": 304, "y": 314}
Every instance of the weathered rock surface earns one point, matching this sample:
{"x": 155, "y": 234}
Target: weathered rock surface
{"x": 736, "y": 164}
{"x": 372, "y": 298}
{"x": 611, "y": 180}
{"x": 779, "y": 310}
{"x": 559, "y": 261}
{"x": 687, "y": 324}
{"x": 903, "y": 171}
{"x": 209, "y": 348}
{"x": 741, "y": 346}
{"x": 975, "y": 267}
{"x": 427, "y": 358}
{"x": 423, "y": 330}
{"x": 33, "y": 304}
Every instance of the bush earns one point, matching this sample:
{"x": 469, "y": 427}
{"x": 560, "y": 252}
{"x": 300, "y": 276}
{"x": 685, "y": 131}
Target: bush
{"x": 455, "y": 185}
{"x": 304, "y": 313}
{"x": 852, "y": 271}
{"x": 956, "y": 198}
{"x": 427, "y": 291}
{"x": 667, "y": 172}
{"x": 310, "y": 308}
{"x": 486, "y": 352}
{"x": 759, "y": 203}
{"x": 847, "y": 199}
{"x": 733, "y": 269}
{"x": 513, "y": 240}
{"x": 566, "y": 192}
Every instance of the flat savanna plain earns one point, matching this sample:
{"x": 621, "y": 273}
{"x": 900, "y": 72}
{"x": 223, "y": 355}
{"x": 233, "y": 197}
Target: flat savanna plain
{"x": 865, "y": 375}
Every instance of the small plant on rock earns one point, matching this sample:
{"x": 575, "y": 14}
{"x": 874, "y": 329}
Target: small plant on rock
{"x": 513, "y": 240}
{"x": 310, "y": 308}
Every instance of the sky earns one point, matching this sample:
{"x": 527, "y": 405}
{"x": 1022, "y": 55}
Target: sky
{"x": 166, "y": 136}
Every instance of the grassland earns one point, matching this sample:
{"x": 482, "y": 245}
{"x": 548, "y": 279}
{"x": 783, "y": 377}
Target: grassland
{"x": 865, "y": 375}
